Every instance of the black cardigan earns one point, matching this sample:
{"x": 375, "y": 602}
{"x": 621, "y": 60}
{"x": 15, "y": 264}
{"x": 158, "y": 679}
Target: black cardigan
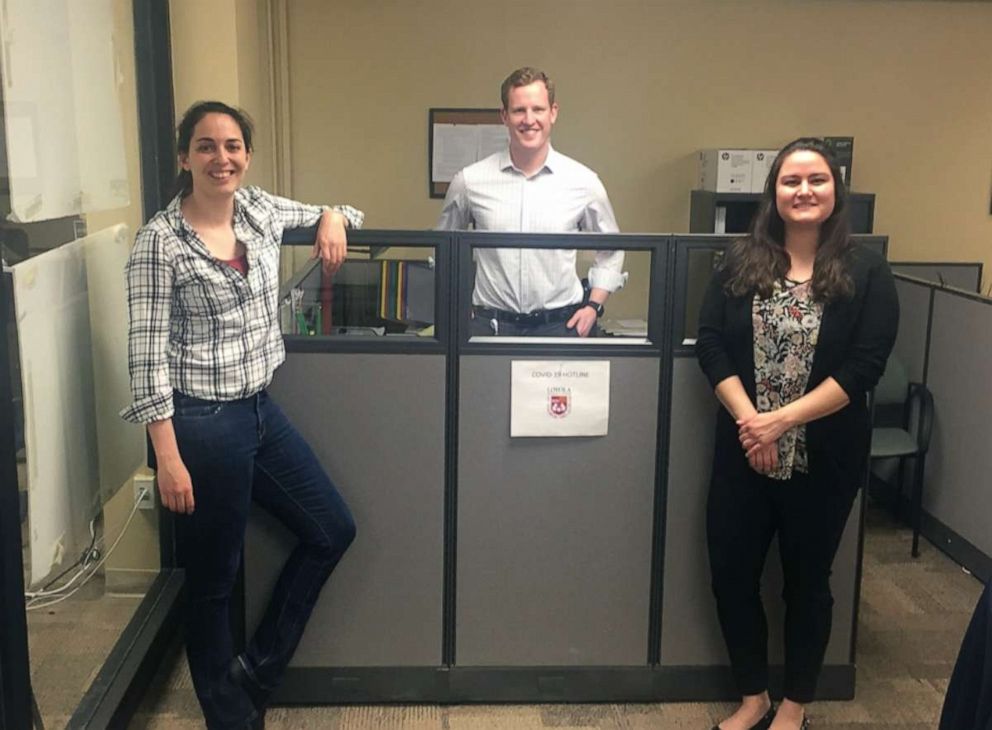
{"x": 855, "y": 338}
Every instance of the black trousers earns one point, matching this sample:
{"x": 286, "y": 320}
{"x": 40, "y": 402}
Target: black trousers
{"x": 743, "y": 515}
{"x": 968, "y": 704}
{"x": 481, "y": 327}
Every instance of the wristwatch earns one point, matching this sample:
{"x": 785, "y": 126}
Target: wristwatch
{"x": 596, "y": 306}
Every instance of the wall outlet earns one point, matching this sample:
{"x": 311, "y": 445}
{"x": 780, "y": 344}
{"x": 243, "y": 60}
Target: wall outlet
{"x": 144, "y": 482}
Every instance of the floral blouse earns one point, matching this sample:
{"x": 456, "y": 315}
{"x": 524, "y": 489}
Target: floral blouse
{"x": 786, "y": 327}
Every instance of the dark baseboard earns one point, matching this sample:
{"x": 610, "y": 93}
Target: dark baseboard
{"x": 936, "y": 532}
{"x": 466, "y": 685}
{"x": 956, "y": 547}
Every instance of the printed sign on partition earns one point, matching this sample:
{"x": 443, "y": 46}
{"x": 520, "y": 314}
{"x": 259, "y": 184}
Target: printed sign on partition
{"x": 559, "y": 397}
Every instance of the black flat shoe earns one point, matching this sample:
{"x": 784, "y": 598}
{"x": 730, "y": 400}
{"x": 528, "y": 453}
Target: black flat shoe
{"x": 764, "y": 723}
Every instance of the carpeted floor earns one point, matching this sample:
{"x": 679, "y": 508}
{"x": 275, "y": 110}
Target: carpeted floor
{"x": 913, "y": 615}
{"x": 68, "y": 644}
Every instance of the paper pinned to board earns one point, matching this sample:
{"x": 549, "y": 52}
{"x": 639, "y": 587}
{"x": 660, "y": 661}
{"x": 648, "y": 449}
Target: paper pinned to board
{"x": 459, "y": 145}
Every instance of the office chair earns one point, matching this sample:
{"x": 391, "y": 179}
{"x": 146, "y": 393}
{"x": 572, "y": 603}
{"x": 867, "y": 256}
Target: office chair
{"x": 911, "y": 439}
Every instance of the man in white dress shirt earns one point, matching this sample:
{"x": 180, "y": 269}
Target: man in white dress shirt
{"x": 532, "y": 188}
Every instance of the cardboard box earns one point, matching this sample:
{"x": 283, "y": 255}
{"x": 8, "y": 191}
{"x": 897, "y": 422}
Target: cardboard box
{"x": 725, "y": 171}
{"x": 760, "y": 165}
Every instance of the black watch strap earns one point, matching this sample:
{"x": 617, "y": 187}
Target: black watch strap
{"x": 597, "y": 306}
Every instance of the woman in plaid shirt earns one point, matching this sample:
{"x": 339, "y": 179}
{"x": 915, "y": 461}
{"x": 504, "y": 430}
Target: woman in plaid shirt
{"x": 204, "y": 341}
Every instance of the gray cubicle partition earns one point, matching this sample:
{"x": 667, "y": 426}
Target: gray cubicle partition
{"x": 495, "y": 569}
{"x": 959, "y": 274}
{"x": 554, "y": 535}
{"x": 957, "y": 493}
{"x": 374, "y": 409}
{"x": 915, "y": 299}
{"x": 944, "y": 342}
{"x": 384, "y": 600}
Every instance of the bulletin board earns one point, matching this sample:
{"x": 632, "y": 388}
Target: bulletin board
{"x": 459, "y": 137}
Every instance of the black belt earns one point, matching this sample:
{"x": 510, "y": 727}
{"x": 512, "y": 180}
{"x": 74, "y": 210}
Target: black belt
{"x": 530, "y": 319}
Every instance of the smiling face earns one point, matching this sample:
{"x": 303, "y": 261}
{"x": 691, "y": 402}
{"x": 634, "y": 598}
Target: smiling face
{"x": 218, "y": 157}
{"x": 529, "y": 116}
{"x": 804, "y": 189}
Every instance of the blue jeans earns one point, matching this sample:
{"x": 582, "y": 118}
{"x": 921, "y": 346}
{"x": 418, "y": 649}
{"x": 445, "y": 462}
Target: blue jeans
{"x": 236, "y": 452}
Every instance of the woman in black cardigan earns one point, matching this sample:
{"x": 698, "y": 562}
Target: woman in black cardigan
{"x": 794, "y": 330}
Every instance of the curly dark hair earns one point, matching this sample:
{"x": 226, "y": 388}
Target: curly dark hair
{"x": 756, "y": 261}
{"x": 184, "y": 135}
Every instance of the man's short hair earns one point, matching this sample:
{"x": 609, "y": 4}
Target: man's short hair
{"x": 525, "y": 77}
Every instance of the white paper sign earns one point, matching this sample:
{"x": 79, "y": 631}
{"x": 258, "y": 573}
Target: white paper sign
{"x": 559, "y": 398}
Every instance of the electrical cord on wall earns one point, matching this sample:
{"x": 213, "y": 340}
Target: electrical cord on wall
{"x": 91, "y": 557}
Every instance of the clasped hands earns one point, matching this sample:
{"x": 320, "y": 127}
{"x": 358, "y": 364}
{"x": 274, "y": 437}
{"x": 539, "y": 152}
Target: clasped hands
{"x": 759, "y": 436}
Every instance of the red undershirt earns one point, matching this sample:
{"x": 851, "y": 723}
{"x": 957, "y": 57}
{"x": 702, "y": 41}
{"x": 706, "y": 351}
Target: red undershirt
{"x": 240, "y": 263}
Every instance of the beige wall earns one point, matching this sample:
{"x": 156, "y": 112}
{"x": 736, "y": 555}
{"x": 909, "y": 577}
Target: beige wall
{"x": 220, "y": 51}
{"x": 643, "y": 84}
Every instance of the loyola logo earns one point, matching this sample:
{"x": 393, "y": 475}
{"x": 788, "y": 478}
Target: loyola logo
{"x": 559, "y": 402}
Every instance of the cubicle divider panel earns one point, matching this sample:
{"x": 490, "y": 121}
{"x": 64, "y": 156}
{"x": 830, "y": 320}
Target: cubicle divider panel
{"x": 376, "y": 422}
{"x": 554, "y": 534}
{"x": 914, "y": 325}
{"x": 690, "y": 635}
{"x": 959, "y": 462}
{"x": 959, "y": 274}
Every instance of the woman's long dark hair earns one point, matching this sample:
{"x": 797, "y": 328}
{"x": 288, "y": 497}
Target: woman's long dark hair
{"x": 758, "y": 260}
{"x": 184, "y": 135}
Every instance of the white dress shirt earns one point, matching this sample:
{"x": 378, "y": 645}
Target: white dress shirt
{"x": 562, "y": 197}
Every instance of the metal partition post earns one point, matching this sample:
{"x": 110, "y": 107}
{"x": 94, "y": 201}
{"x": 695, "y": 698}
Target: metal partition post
{"x": 660, "y": 325}
{"x": 480, "y": 671}
{"x": 156, "y": 114}
{"x": 453, "y": 332}
{"x": 15, "y": 668}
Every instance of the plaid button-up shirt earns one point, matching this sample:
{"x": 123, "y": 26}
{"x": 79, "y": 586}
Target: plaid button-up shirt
{"x": 196, "y": 324}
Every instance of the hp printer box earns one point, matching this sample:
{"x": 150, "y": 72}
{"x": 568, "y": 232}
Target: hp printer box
{"x": 725, "y": 171}
{"x": 761, "y": 165}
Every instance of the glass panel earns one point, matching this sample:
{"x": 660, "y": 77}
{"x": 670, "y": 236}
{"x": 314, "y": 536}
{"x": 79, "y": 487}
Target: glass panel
{"x": 377, "y": 292}
{"x": 540, "y": 292}
{"x": 70, "y": 205}
{"x": 702, "y": 262}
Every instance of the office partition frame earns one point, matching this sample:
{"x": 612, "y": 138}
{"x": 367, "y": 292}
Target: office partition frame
{"x": 15, "y": 668}
{"x": 946, "y": 537}
{"x": 975, "y": 268}
{"x": 451, "y": 681}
